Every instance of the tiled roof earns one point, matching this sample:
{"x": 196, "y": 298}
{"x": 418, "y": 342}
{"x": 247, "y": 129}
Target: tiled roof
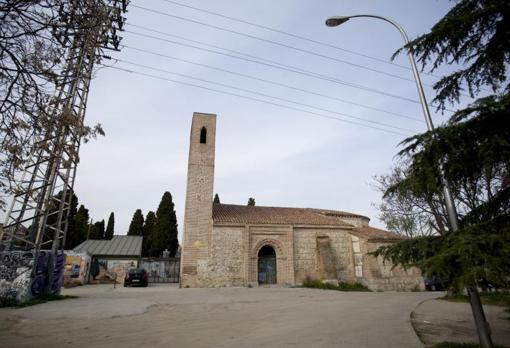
{"x": 244, "y": 214}
{"x": 129, "y": 246}
{"x": 376, "y": 234}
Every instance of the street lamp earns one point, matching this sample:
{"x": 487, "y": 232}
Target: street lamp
{"x": 477, "y": 309}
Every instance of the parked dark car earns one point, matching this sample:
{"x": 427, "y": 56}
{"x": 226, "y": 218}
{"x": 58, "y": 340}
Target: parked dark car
{"x": 136, "y": 276}
{"x": 436, "y": 284}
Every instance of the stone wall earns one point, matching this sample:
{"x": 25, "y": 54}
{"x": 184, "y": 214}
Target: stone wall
{"x": 234, "y": 254}
{"x": 227, "y": 264}
{"x": 280, "y": 238}
{"x": 306, "y": 257}
{"x": 380, "y": 275}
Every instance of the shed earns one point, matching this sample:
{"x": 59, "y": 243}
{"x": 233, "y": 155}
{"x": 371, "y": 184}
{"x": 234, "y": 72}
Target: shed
{"x": 119, "y": 247}
{"x": 112, "y": 258}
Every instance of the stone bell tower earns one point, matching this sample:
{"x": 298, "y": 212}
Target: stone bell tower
{"x": 198, "y": 222}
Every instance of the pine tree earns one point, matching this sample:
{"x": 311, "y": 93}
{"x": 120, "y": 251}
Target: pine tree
{"x": 110, "y": 227}
{"x": 77, "y": 232}
{"x": 136, "y": 226}
{"x": 148, "y": 233}
{"x": 216, "y": 199}
{"x": 251, "y": 201}
{"x": 165, "y": 229}
{"x": 473, "y": 148}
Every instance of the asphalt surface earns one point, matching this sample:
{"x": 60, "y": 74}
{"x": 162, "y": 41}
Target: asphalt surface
{"x": 166, "y": 316}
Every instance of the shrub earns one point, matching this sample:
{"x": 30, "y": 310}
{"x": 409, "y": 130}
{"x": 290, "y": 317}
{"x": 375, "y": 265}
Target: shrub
{"x": 342, "y": 286}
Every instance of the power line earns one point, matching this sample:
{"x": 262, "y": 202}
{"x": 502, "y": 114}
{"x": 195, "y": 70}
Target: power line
{"x": 304, "y": 38}
{"x": 287, "y": 68}
{"x": 360, "y": 66}
{"x": 207, "y": 44}
{"x": 276, "y": 84}
{"x": 262, "y": 94}
{"x": 256, "y": 99}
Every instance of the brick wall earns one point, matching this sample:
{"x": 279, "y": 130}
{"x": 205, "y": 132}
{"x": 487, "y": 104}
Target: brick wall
{"x": 199, "y": 196}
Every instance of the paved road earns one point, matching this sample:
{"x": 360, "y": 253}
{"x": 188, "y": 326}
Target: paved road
{"x": 166, "y": 316}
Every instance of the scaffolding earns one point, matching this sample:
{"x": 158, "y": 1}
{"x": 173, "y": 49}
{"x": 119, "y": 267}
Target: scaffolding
{"x": 37, "y": 218}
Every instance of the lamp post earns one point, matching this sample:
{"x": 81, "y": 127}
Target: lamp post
{"x": 481, "y": 323}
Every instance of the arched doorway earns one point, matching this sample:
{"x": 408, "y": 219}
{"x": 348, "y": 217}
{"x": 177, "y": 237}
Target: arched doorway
{"x": 266, "y": 265}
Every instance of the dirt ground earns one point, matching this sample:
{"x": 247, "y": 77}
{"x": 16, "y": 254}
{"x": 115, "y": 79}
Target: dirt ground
{"x": 439, "y": 321}
{"x": 166, "y": 316}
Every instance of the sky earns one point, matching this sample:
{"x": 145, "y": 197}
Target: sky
{"x": 296, "y": 148}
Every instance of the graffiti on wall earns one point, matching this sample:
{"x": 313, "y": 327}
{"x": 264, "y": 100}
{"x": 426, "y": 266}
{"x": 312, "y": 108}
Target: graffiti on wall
{"x": 17, "y": 279}
{"x": 76, "y": 268}
{"x": 114, "y": 270}
{"x": 12, "y": 262}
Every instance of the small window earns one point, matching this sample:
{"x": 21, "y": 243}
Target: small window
{"x": 203, "y": 136}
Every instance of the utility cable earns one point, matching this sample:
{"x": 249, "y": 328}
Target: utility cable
{"x": 262, "y": 94}
{"x": 257, "y": 100}
{"x": 304, "y": 38}
{"x": 275, "y": 83}
{"x": 291, "y": 69}
{"x": 360, "y": 66}
{"x": 208, "y": 45}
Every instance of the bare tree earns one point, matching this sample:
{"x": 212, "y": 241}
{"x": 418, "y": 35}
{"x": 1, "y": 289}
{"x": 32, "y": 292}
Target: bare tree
{"x": 408, "y": 215}
{"x": 35, "y": 36}
{"x": 422, "y": 213}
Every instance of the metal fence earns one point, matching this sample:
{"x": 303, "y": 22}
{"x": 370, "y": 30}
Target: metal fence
{"x": 161, "y": 270}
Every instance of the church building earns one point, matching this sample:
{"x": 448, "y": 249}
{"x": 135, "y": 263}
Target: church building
{"x": 240, "y": 245}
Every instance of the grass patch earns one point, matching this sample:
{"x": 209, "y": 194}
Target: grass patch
{"x": 317, "y": 284}
{"x": 459, "y": 345}
{"x": 488, "y": 298}
{"x": 455, "y": 345}
{"x": 10, "y": 302}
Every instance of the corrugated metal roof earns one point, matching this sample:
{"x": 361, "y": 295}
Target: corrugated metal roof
{"x": 117, "y": 246}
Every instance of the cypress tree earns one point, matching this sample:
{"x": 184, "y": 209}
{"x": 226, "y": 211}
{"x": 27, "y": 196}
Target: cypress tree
{"x": 68, "y": 214}
{"x": 101, "y": 228}
{"x": 165, "y": 229}
{"x": 77, "y": 231}
{"x": 148, "y": 233}
{"x": 97, "y": 230}
{"x": 136, "y": 226}
{"x": 73, "y": 210}
{"x": 216, "y": 199}
{"x": 110, "y": 227}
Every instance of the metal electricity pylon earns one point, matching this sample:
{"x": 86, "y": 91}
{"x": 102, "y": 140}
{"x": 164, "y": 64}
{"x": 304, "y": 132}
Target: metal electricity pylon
{"x": 37, "y": 218}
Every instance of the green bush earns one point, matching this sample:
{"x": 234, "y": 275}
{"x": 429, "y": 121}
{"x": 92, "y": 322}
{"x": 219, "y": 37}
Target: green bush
{"x": 318, "y": 284}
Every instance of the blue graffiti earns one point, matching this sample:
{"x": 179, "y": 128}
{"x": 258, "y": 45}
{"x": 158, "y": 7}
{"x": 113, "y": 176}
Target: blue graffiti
{"x": 57, "y": 273}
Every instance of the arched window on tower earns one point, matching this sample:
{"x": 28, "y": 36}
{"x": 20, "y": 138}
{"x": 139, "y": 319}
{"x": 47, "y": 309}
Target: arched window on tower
{"x": 203, "y": 136}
